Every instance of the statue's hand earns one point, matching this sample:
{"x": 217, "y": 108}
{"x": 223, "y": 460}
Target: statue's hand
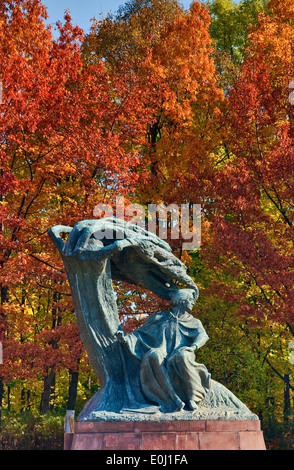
{"x": 121, "y": 244}
{"x": 120, "y": 337}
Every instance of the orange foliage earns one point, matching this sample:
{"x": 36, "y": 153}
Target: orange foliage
{"x": 252, "y": 198}
{"x": 70, "y": 138}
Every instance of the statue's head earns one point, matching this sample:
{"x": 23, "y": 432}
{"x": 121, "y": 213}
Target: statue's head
{"x": 185, "y": 298}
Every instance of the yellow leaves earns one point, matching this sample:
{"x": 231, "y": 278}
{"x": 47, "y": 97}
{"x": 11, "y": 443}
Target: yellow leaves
{"x": 186, "y": 258}
{"x": 273, "y": 39}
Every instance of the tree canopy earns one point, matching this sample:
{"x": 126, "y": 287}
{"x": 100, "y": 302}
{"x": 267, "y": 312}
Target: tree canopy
{"x": 161, "y": 105}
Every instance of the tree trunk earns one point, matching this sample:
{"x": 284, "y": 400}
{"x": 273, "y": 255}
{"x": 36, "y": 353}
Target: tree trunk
{"x": 49, "y": 380}
{"x": 28, "y": 405}
{"x": 23, "y": 399}
{"x": 287, "y": 398}
{"x": 52, "y": 394}
{"x": 72, "y": 390}
{"x": 1, "y": 400}
{"x": 3, "y": 299}
{"x": 8, "y": 397}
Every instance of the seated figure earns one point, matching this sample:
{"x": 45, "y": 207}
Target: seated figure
{"x": 165, "y": 345}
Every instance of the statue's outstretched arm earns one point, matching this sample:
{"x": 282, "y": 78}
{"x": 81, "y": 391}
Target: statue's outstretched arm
{"x": 83, "y": 250}
{"x": 128, "y": 341}
{"x": 101, "y": 253}
{"x": 54, "y": 234}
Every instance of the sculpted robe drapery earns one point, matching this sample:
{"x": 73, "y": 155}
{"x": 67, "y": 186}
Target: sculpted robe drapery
{"x": 165, "y": 346}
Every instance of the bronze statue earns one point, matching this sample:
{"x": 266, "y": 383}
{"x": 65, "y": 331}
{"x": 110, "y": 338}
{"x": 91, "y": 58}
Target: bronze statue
{"x": 153, "y": 369}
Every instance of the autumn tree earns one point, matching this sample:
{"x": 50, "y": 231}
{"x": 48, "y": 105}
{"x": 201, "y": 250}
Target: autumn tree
{"x": 231, "y": 24}
{"x": 171, "y": 53}
{"x": 250, "y": 213}
{"x": 70, "y": 136}
{"x": 122, "y": 37}
{"x": 160, "y": 105}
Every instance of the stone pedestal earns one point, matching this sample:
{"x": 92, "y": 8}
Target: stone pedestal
{"x": 166, "y": 435}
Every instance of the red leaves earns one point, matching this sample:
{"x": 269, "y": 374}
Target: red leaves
{"x": 74, "y": 134}
{"x": 60, "y": 348}
{"x": 251, "y": 205}
{"x": 6, "y": 183}
{"x": 71, "y": 137}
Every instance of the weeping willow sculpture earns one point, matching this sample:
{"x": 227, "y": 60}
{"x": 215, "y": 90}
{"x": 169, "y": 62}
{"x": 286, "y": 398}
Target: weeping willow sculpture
{"x": 153, "y": 369}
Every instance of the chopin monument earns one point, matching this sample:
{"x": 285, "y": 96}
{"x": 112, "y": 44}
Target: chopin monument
{"x": 154, "y": 394}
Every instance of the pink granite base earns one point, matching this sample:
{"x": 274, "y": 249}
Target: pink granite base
{"x": 166, "y": 435}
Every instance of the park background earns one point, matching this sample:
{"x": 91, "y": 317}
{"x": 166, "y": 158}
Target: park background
{"x": 159, "y": 103}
